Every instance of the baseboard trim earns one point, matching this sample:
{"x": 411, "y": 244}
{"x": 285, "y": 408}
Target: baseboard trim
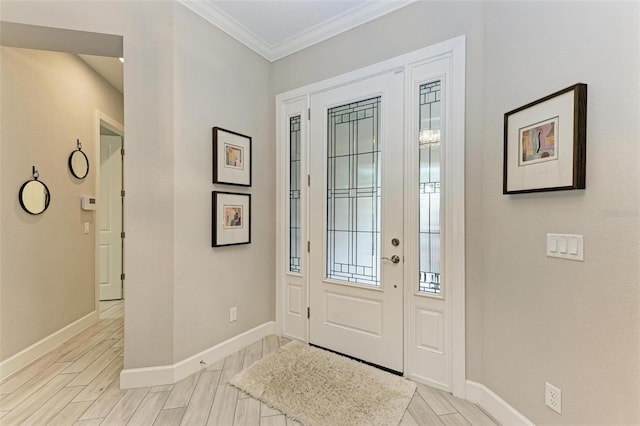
{"x": 169, "y": 374}
{"x": 33, "y": 352}
{"x": 497, "y": 407}
{"x": 148, "y": 376}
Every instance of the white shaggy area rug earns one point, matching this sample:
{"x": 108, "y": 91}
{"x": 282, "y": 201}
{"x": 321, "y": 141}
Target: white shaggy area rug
{"x": 317, "y": 388}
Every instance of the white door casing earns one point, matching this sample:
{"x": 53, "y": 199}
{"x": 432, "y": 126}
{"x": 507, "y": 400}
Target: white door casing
{"x": 359, "y": 320}
{"x": 447, "y": 60}
{"x": 110, "y": 214}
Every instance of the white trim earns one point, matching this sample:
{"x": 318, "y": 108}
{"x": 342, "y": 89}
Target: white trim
{"x": 497, "y": 407}
{"x": 340, "y": 24}
{"x": 280, "y": 229}
{"x": 313, "y": 35}
{"x": 146, "y": 377}
{"x": 33, "y": 352}
{"x": 220, "y": 351}
{"x": 169, "y": 374}
{"x": 393, "y": 64}
{"x": 456, "y": 244}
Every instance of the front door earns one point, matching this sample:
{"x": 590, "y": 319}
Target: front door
{"x": 356, "y": 220}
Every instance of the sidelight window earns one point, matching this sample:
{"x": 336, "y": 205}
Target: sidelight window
{"x": 294, "y": 194}
{"x": 429, "y": 186}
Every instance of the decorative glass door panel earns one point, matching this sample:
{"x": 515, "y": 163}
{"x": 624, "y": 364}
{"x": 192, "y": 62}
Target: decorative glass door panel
{"x": 353, "y": 193}
{"x": 294, "y": 194}
{"x": 429, "y": 187}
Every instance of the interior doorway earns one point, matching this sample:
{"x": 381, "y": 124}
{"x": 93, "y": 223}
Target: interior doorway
{"x": 110, "y": 247}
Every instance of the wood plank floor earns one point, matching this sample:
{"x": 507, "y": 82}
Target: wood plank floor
{"x": 78, "y": 383}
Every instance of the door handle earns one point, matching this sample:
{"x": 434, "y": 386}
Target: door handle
{"x": 394, "y": 259}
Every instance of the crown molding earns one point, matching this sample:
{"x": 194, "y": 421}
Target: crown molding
{"x": 226, "y": 23}
{"x": 323, "y": 31}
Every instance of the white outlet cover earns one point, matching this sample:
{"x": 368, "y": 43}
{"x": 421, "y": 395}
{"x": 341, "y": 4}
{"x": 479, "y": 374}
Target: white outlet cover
{"x": 553, "y": 397}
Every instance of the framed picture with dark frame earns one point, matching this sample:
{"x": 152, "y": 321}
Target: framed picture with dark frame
{"x": 231, "y": 158}
{"x": 545, "y": 143}
{"x": 231, "y": 224}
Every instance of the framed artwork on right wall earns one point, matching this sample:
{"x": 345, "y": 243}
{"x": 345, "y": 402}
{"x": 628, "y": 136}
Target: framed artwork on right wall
{"x": 545, "y": 143}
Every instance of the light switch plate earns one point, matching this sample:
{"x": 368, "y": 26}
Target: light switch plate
{"x": 565, "y": 246}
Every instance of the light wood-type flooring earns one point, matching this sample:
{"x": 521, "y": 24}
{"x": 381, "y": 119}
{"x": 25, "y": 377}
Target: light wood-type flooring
{"x": 78, "y": 383}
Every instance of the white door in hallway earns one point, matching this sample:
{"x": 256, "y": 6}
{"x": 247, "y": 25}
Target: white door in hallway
{"x": 110, "y": 208}
{"x": 356, "y": 220}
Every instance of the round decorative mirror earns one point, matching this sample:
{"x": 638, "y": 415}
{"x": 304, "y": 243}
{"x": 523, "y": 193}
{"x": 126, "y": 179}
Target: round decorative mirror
{"x": 79, "y": 163}
{"x": 34, "y": 195}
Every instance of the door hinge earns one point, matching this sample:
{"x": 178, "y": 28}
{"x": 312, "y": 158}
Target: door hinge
{"x": 122, "y": 193}
{"x": 122, "y": 151}
{"x": 308, "y": 113}
{"x": 308, "y": 180}
{"x": 122, "y": 235}
{"x": 122, "y": 277}
{"x": 308, "y": 313}
{"x": 308, "y": 246}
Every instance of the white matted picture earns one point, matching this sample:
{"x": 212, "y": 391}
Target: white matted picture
{"x": 538, "y": 142}
{"x": 233, "y": 216}
{"x": 231, "y": 158}
{"x": 231, "y": 222}
{"x": 545, "y": 143}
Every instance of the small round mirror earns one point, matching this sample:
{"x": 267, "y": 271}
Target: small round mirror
{"x": 79, "y": 164}
{"x": 34, "y": 197}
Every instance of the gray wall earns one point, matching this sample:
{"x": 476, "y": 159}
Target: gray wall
{"x": 219, "y": 82}
{"x": 573, "y": 324}
{"x": 182, "y": 77}
{"x": 532, "y": 319}
{"x": 47, "y": 281}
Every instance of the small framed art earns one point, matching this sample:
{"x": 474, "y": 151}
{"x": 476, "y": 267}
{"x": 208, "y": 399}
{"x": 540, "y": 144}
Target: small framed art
{"x": 545, "y": 143}
{"x": 231, "y": 223}
{"x": 231, "y": 158}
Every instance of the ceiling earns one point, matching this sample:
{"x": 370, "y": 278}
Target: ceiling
{"x": 277, "y": 28}
{"x": 272, "y": 28}
{"x": 109, "y": 68}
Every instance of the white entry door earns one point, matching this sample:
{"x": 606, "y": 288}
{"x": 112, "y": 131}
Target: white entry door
{"x": 110, "y": 205}
{"x": 356, "y": 220}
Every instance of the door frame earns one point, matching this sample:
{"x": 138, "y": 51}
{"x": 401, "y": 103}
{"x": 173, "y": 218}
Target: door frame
{"x": 103, "y": 120}
{"x": 453, "y": 194}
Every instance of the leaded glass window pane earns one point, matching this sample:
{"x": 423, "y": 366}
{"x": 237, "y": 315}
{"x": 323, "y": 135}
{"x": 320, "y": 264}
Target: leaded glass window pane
{"x": 429, "y": 186}
{"x": 294, "y": 194}
{"x": 353, "y": 193}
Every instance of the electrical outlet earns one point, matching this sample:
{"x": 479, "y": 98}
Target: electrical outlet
{"x": 553, "y": 397}
{"x": 233, "y": 314}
